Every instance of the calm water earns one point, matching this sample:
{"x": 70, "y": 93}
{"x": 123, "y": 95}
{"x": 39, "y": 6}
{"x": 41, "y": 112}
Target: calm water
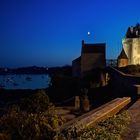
{"x": 24, "y": 81}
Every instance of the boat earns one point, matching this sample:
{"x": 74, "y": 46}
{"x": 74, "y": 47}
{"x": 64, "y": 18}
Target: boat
{"x": 15, "y": 84}
{"x": 28, "y": 78}
{"x": 2, "y": 86}
{"x": 9, "y": 80}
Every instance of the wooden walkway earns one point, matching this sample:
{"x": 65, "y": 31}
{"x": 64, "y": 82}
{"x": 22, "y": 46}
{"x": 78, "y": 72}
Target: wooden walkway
{"x": 133, "y": 132}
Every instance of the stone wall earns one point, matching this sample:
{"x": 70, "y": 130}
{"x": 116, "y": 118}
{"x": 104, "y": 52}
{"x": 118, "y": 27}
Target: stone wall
{"x": 90, "y": 61}
{"x": 124, "y": 84}
{"x": 132, "y": 49}
{"x": 122, "y": 62}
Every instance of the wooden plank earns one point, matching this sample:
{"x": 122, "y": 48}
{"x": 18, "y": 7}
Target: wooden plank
{"x": 93, "y": 117}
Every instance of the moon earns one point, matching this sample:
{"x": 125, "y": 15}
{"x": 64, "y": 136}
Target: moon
{"x": 88, "y": 33}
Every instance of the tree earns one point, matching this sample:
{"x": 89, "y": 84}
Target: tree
{"x": 36, "y": 103}
{"x": 34, "y": 119}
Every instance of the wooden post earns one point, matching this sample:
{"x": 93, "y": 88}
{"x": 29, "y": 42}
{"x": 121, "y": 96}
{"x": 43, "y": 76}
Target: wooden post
{"x": 86, "y": 106}
{"x": 77, "y": 103}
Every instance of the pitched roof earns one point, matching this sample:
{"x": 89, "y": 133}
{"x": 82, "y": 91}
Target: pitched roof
{"x": 122, "y": 55}
{"x": 77, "y": 60}
{"x": 94, "y": 48}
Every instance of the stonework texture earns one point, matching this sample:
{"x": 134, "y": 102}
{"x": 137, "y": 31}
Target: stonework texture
{"x": 132, "y": 49}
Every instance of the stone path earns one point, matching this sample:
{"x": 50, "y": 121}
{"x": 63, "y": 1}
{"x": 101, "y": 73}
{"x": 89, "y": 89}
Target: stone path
{"x": 66, "y": 112}
{"x": 133, "y": 132}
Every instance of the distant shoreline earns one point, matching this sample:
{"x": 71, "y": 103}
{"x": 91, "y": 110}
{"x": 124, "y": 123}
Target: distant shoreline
{"x": 36, "y": 70}
{"x": 24, "y": 70}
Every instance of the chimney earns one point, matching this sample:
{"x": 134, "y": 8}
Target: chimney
{"x": 132, "y": 29}
{"x": 137, "y": 33}
{"x": 82, "y": 43}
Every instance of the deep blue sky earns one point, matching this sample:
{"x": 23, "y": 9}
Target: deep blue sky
{"x": 49, "y": 32}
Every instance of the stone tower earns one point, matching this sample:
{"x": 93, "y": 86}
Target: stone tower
{"x": 131, "y": 45}
{"x": 122, "y": 60}
{"x": 92, "y": 56}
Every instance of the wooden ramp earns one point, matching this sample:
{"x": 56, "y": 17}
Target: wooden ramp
{"x": 93, "y": 117}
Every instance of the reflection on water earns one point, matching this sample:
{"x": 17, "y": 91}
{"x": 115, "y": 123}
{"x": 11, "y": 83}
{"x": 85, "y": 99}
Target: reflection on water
{"x": 24, "y": 81}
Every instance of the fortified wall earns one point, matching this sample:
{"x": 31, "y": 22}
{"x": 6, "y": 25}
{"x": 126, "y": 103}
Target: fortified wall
{"x": 124, "y": 84}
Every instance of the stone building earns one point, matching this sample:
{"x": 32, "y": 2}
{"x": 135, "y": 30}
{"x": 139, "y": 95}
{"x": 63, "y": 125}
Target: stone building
{"x": 122, "y": 60}
{"x": 92, "y": 57}
{"x": 76, "y": 67}
{"x": 131, "y": 45}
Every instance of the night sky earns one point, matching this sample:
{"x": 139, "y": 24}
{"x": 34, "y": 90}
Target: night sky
{"x": 49, "y": 32}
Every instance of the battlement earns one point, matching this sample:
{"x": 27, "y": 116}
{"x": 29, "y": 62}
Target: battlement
{"x": 133, "y": 31}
